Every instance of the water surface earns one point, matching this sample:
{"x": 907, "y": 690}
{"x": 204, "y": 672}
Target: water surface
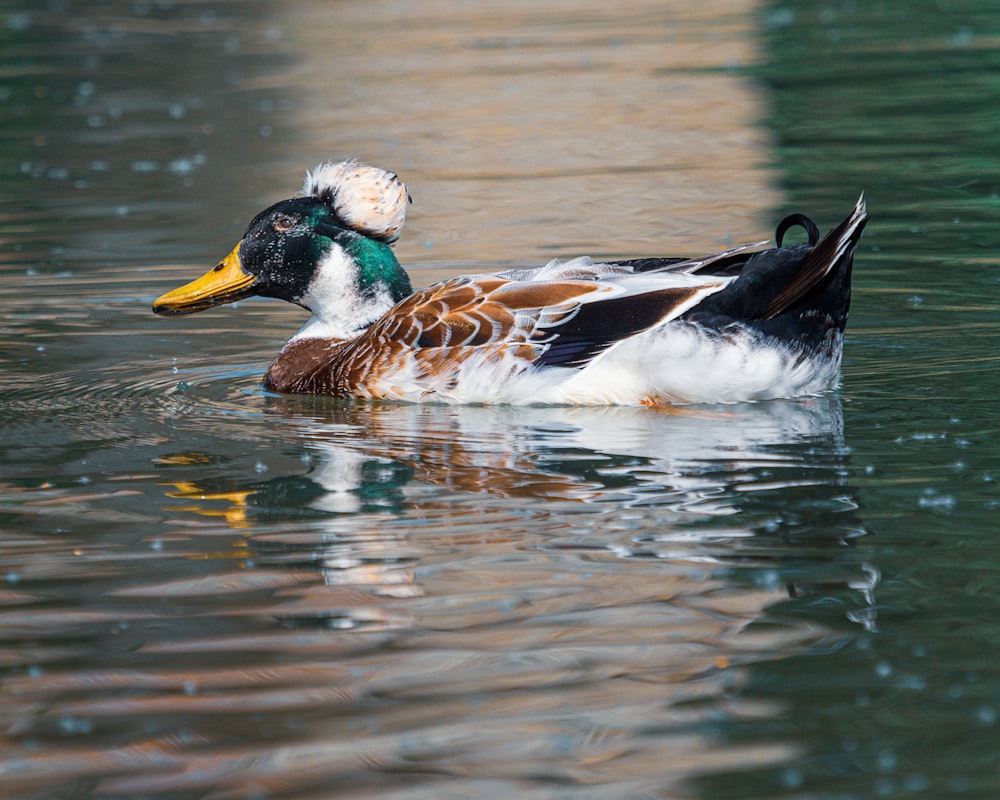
{"x": 210, "y": 591}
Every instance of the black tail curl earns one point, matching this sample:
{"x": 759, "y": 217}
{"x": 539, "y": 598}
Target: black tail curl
{"x": 790, "y": 222}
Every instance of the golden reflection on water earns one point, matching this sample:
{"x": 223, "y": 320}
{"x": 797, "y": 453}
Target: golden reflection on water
{"x": 527, "y": 131}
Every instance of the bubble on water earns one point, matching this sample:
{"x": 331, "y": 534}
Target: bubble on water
{"x": 177, "y": 111}
{"x": 190, "y": 687}
{"x": 986, "y": 716}
{"x": 266, "y": 131}
{"x": 915, "y": 300}
{"x": 937, "y": 502}
{"x": 792, "y": 778}
{"x": 886, "y": 760}
{"x": 259, "y": 467}
{"x": 13, "y": 577}
{"x": 768, "y": 579}
{"x": 181, "y": 166}
{"x": 780, "y": 18}
{"x": 18, "y": 21}
{"x": 70, "y": 726}
{"x": 962, "y": 38}
{"x": 883, "y": 670}
{"x": 145, "y": 165}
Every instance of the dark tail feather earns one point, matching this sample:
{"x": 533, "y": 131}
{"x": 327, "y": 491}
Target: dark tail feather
{"x": 837, "y": 245}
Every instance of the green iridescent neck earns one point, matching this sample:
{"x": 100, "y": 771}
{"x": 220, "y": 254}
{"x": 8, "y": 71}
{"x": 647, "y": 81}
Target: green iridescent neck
{"x": 377, "y": 268}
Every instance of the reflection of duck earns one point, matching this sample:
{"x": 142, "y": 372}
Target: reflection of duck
{"x": 738, "y": 325}
{"x": 693, "y": 461}
{"x": 366, "y": 458}
{"x": 380, "y": 478}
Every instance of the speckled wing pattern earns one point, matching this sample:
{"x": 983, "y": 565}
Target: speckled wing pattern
{"x": 519, "y": 317}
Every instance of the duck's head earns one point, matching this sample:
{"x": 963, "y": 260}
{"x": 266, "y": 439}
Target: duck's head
{"x": 327, "y": 250}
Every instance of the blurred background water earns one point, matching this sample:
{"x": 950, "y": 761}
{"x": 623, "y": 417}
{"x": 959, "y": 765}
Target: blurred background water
{"x": 207, "y": 591}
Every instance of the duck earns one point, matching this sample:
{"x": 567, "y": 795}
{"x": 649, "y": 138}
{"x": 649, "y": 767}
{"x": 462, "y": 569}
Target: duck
{"x": 749, "y": 323}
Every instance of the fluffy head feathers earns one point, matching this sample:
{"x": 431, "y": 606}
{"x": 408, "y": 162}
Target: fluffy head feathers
{"x": 370, "y": 200}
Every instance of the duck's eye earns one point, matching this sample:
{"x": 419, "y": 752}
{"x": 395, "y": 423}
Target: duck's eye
{"x": 284, "y": 223}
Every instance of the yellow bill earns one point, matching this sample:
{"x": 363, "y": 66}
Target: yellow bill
{"x": 226, "y": 283}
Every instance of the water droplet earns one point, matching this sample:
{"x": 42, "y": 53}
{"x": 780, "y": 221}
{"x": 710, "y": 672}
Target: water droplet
{"x": 792, "y": 778}
{"x": 19, "y": 21}
{"x": 886, "y": 760}
{"x": 70, "y": 726}
{"x": 181, "y": 166}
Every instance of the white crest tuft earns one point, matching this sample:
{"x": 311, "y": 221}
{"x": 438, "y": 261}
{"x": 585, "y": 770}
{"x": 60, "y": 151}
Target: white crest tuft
{"x": 370, "y": 200}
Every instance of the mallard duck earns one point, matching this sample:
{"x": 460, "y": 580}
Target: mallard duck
{"x": 743, "y": 324}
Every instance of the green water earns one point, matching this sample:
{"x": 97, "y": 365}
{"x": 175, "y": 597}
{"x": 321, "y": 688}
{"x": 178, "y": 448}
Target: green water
{"x": 900, "y": 100}
{"x": 208, "y": 591}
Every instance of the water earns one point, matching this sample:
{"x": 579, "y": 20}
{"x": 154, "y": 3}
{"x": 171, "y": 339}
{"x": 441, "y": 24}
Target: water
{"x": 209, "y": 591}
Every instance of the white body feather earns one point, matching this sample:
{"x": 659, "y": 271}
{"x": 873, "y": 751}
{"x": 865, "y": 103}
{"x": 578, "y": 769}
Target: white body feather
{"x": 673, "y": 362}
